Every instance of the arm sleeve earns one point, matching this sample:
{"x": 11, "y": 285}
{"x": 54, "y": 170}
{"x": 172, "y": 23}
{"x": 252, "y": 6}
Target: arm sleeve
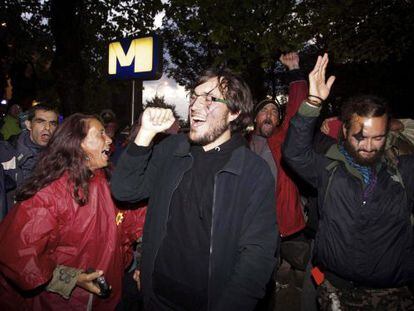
{"x": 28, "y": 238}
{"x": 298, "y": 148}
{"x": 258, "y": 245}
{"x": 298, "y": 91}
{"x": 135, "y": 173}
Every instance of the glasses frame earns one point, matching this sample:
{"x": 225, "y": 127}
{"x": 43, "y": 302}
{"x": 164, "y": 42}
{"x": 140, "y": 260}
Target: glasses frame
{"x": 213, "y": 99}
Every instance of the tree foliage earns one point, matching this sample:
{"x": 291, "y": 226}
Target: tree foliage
{"x": 242, "y": 35}
{"x": 360, "y": 31}
{"x": 248, "y": 36}
{"x": 73, "y": 35}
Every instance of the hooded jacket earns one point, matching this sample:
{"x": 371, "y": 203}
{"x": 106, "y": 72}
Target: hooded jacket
{"x": 365, "y": 240}
{"x": 51, "y": 229}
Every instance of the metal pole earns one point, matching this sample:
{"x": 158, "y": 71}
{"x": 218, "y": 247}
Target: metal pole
{"x": 133, "y": 102}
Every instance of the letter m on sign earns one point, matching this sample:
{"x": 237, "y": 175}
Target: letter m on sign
{"x": 134, "y": 59}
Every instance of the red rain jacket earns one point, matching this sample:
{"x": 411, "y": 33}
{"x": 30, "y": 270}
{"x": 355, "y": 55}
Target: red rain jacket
{"x": 51, "y": 229}
{"x": 288, "y": 205}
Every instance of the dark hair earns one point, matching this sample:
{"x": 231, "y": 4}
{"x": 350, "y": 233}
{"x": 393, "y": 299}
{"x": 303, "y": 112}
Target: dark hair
{"x": 63, "y": 154}
{"x": 45, "y": 107}
{"x": 364, "y": 106}
{"x": 234, "y": 90}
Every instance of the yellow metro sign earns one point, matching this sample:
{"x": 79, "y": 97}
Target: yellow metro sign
{"x": 135, "y": 58}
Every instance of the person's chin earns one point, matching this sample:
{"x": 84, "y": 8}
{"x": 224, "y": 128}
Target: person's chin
{"x": 368, "y": 161}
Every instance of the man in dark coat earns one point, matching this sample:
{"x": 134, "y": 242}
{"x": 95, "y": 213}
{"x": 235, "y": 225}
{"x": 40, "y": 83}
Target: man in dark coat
{"x": 364, "y": 247}
{"x": 210, "y": 235}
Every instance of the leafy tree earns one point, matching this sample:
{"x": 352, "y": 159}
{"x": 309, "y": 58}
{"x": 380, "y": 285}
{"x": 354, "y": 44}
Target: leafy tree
{"x": 242, "y": 35}
{"x": 359, "y": 31}
{"x": 74, "y": 35}
{"x": 370, "y": 42}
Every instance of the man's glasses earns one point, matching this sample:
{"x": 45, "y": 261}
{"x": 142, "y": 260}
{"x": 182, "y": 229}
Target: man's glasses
{"x": 207, "y": 99}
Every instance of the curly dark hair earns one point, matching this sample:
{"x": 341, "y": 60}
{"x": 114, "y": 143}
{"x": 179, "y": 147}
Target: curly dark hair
{"x": 364, "y": 106}
{"x": 236, "y": 91}
{"x": 62, "y": 154}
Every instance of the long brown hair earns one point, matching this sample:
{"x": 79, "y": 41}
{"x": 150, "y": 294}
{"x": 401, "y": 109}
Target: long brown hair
{"x": 63, "y": 154}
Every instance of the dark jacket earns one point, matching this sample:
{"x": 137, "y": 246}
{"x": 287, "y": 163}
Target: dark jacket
{"x": 27, "y": 155}
{"x": 243, "y": 235}
{"x": 367, "y": 241}
{"x": 8, "y": 172}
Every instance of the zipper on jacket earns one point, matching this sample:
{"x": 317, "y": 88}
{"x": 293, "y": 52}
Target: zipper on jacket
{"x": 211, "y": 240}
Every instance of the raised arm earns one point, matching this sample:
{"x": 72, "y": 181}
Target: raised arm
{"x": 298, "y": 150}
{"x": 298, "y": 89}
{"x": 134, "y": 175}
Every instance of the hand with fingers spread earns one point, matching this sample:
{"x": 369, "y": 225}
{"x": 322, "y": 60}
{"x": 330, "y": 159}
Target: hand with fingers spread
{"x": 85, "y": 280}
{"x": 154, "y": 121}
{"x": 290, "y": 60}
{"x": 319, "y": 87}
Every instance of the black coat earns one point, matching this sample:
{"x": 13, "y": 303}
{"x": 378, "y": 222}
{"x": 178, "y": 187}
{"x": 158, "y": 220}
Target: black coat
{"x": 367, "y": 241}
{"x": 244, "y": 233}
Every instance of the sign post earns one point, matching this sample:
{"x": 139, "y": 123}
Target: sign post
{"x": 135, "y": 59}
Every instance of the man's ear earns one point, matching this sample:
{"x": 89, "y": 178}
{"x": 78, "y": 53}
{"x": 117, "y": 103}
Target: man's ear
{"x": 233, "y": 116}
{"x": 344, "y": 131}
{"x": 28, "y": 124}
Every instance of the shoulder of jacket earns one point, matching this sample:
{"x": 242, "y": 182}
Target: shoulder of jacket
{"x": 255, "y": 162}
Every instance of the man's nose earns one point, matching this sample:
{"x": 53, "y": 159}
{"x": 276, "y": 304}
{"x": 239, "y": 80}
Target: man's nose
{"x": 108, "y": 139}
{"x": 369, "y": 145}
{"x": 198, "y": 103}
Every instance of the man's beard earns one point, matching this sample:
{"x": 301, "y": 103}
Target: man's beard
{"x": 267, "y": 131}
{"x": 361, "y": 160}
{"x": 214, "y": 132}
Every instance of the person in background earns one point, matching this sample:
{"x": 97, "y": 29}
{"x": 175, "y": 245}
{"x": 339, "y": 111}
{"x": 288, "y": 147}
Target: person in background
{"x": 11, "y": 122}
{"x": 41, "y": 123}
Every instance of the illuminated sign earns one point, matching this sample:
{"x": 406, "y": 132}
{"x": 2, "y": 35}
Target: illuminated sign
{"x": 137, "y": 58}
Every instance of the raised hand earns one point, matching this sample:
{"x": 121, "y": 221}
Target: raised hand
{"x": 319, "y": 87}
{"x": 154, "y": 121}
{"x": 290, "y": 60}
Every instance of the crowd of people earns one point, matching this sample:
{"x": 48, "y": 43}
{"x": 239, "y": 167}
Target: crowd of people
{"x": 204, "y": 220}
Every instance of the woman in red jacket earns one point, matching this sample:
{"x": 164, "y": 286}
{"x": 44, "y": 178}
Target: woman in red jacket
{"x": 66, "y": 222}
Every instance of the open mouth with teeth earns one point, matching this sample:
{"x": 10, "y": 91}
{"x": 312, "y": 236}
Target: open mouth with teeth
{"x": 45, "y": 137}
{"x": 197, "y": 120}
{"x": 106, "y": 153}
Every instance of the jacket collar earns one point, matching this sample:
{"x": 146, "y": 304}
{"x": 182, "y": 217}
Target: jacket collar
{"x": 234, "y": 165}
{"x": 333, "y": 153}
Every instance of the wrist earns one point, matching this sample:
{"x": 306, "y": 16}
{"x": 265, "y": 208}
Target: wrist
{"x": 314, "y": 100}
{"x": 144, "y": 137}
{"x": 293, "y": 67}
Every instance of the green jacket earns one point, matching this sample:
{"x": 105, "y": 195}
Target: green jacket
{"x": 10, "y": 127}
